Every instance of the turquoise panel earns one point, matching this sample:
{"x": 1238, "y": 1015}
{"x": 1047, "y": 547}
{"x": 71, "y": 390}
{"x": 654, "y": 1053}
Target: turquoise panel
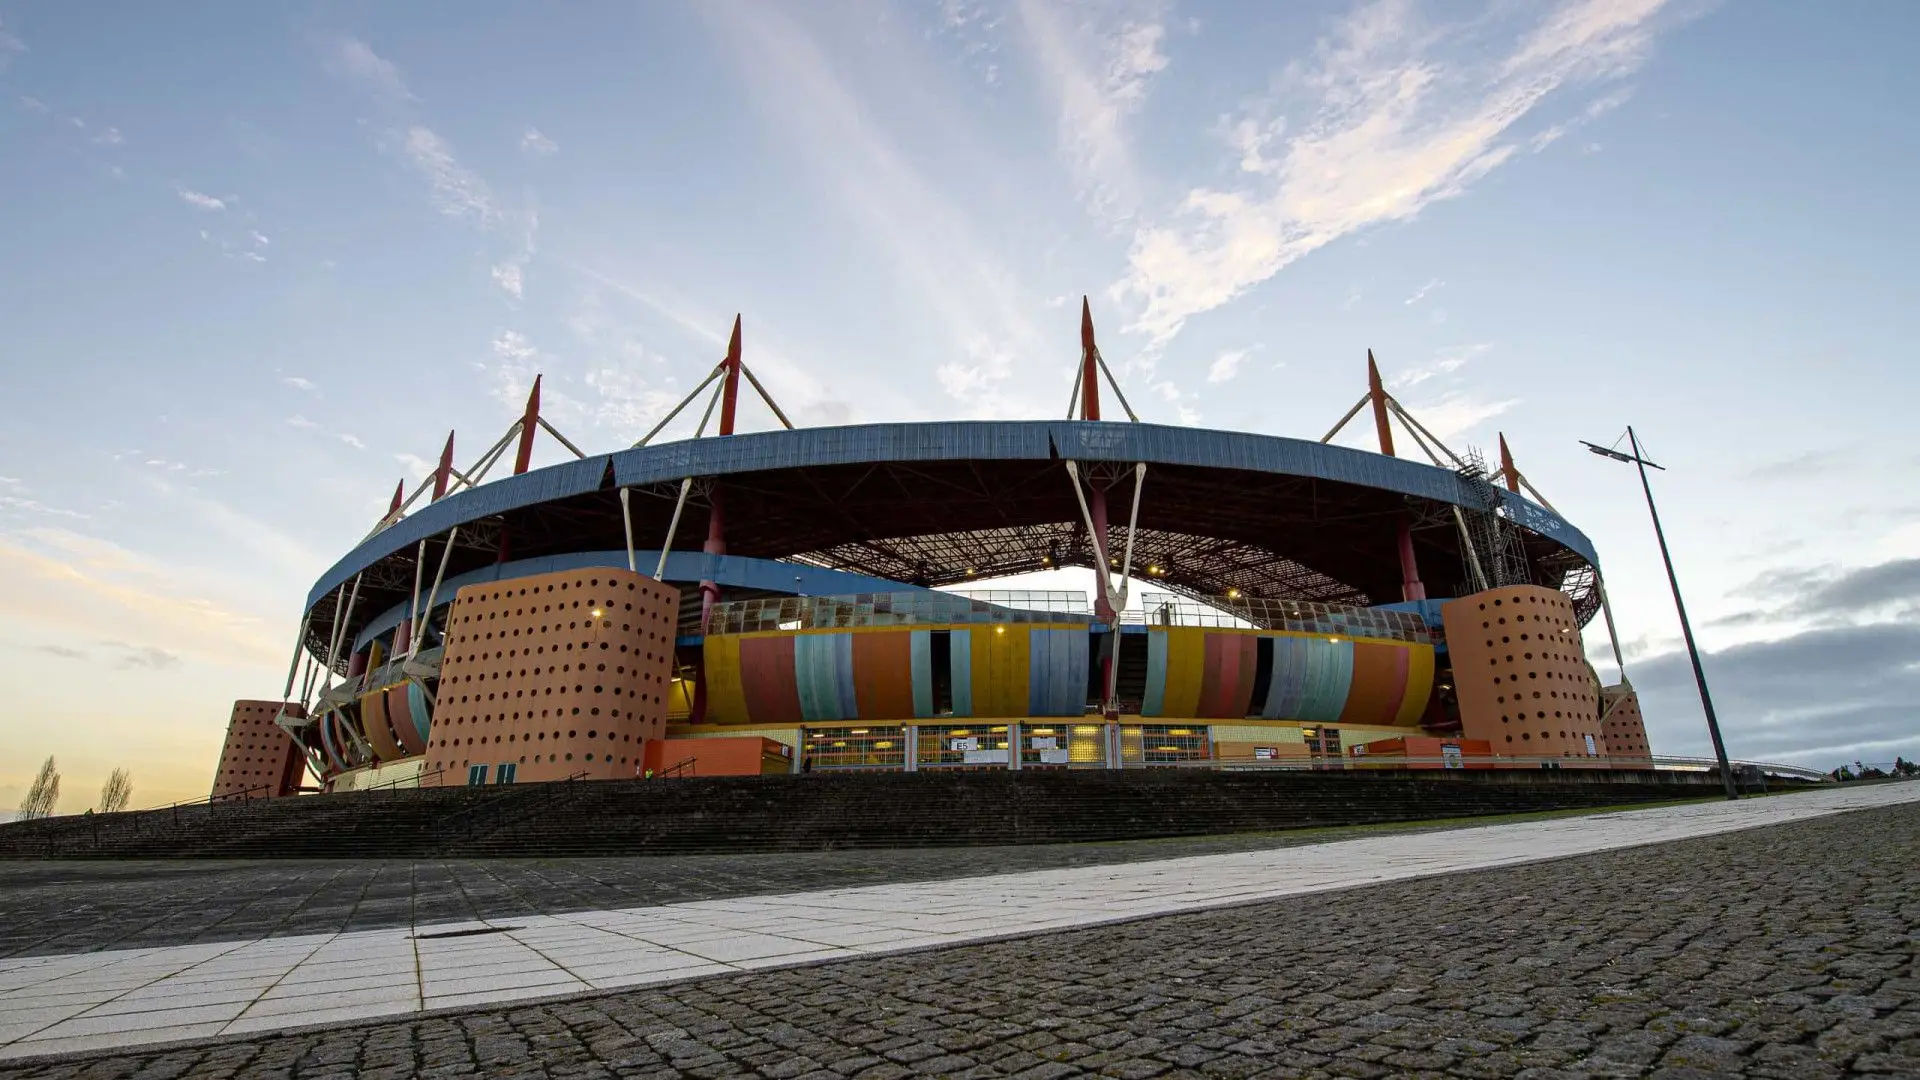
{"x": 1155, "y": 699}
{"x": 961, "y": 667}
{"x": 1057, "y": 672}
{"x": 1329, "y": 677}
{"x": 922, "y": 658}
{"x": 823, "y": 676}
{"x": 418, "y": 709}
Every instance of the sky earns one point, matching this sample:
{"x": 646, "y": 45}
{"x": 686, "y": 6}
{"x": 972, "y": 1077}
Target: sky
{"x": 256, "y": 260}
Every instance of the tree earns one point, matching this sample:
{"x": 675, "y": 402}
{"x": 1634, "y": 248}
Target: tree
{"x": 116, "y": 792}
{"x": 43, "y": 794}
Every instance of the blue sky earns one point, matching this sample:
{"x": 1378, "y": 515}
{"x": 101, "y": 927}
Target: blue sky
{"x": 256, "y": 260}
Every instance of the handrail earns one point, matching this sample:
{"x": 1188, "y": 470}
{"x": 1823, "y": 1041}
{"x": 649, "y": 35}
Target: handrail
{"x": 684, "y": 765}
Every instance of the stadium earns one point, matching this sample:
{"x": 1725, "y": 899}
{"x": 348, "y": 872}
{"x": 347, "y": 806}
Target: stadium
{"x": 804, "y": 599}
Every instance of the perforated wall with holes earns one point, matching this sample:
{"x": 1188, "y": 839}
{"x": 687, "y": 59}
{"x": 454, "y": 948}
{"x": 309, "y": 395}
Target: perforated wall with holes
{"x": 258, "y": 760}
{"x": 1520, "y": 673}
{"x": 1626, "y": 729}
{"x": 559, "y": 674}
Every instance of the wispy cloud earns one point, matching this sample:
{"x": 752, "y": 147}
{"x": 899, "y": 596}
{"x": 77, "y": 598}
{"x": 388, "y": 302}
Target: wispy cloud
{"x": 301, "y": 422}
{"x": 1402, "y": 115}
{"x": 71, "y": 582}
{"x": 937, "y": 250}
{"x": 301, "y": 384}
{"x": 29, "y": 103}
{"x": 109, "y": 137}
{"x": 534, "y": 142}
{"x": 1420, "y": 293}
{"x": 143, "y": 656}
{"x": 64, "y": 652}
{"x": 1226, "y": 365}
{"x": 1099, "y": 63}
{"x": 350, "y": 440}
{"x": 10, "y": 46}
{"x": 458, "y": 192}
{"x": 21, "y": 504}
{"x": 508, "y": 276}
{"x": 357, "y": 61}
{"x": 201, "y": 200}
{"x": 1456, "y": 414}
{"x": 1445, "y": 362}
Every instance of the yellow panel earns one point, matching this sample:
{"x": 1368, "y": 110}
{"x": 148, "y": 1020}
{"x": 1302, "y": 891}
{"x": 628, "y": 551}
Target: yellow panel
{"x": 1263, "y": 734}
{"x": 1419, "y": 685}
{"x": 726, "y": 699}
{"x": 1001, "y": 665}
{"x": 1186, "y": 670}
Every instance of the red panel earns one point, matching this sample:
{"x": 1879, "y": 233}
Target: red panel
{"x": 767, "y": 680}
{"x": 1379, "y": 684}
{"x": 400, "y": 714}
{"x": 883, "y": 674}
{"x": 1227, "y": 685}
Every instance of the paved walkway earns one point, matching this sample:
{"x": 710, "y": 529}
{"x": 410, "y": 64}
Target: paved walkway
{"x": 127, "y": 998}
{"x": 73, "y": 905}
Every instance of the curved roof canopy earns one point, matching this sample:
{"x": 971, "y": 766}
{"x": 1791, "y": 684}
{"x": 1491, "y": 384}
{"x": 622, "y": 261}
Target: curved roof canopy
{"x": 934, "y": 504}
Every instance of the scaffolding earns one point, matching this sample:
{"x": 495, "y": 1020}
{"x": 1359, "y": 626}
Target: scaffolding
{"x": 1493, "y": 554}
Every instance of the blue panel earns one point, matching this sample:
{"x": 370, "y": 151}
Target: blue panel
{"x": 961, "y": 666}
{"x": 418, "y": 709}
{"x": 1329, "y": 677}
{"x": 922, "y": 659}
{"x": 938, "y": 441}
{"x": 1057, "y": 672}
{"x": 731, "y": 571}
{"x": 1155, "y": 699}
{"x": 846, "y": 696}
{"x": 959, "y": 440}
{"x": 1287, "y": 689}
{"x": 820, "y": 664}
{"x": 471, "y": 504}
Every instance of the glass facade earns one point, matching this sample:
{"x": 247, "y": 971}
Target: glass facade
{"x": 976, "y": 744}
{"x": 855, "y": 748}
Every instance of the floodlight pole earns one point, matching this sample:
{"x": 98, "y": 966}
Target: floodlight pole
{"x": 1686, "y": 628}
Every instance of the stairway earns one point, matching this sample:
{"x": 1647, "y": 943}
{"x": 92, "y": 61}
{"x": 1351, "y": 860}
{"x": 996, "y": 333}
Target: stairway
{"x": 718, "y": 815}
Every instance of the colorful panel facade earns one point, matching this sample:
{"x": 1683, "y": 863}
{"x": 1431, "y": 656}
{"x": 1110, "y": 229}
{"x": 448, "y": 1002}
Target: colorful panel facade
{"x": 1218, "y": 674}
{"x": 1057, "y": 671}
{"x": 553, "y": 675}
{"x": 373, "y": 721}
{"x": 895, "y": 673}
{"x": 258, "y": 760}
{"x": 1521, "y": 675}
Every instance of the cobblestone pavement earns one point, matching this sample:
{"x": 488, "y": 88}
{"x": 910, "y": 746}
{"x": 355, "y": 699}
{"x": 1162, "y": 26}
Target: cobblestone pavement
{"x": 1780, "y": 952}
{"x": 67, "y": 906}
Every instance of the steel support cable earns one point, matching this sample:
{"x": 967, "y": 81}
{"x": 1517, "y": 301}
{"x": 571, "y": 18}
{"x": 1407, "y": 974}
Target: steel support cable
{"x": 413, "y": 611}
{"x": 684, "y": 402}
{"x": 764, "y": 396}
{"x": 420, "y": 627}
{"x": 1099, "y": 542}
{"x": 564, "y": 441}
{"x": 1479, "y": 572}
{"x": 679, "y": 504}
{"x": 1115, "y": 383}
{"x": 1351, "y": 413}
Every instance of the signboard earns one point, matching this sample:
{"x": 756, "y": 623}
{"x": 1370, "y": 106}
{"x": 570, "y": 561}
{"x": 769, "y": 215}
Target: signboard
{"x": 1045, "y": 742}
{"x": 1054, "y": 757}
{"x": 984, "y": 757}
{"x": 1266, "y": 753}
{"x": 966, "y": 744}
